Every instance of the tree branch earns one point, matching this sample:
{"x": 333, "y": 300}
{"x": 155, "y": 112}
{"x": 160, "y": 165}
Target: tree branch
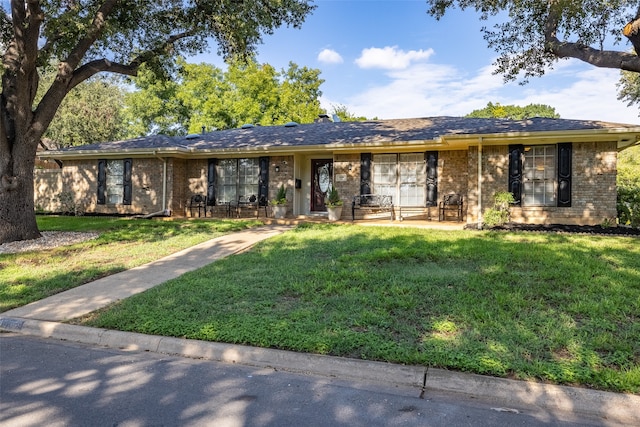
{"x": 604, "y": 59}
{"x": 160, "y": 49}
{"x": 83, "y": 45}
{"x": 100, "y": 65}
{"x": 599, "y": 58}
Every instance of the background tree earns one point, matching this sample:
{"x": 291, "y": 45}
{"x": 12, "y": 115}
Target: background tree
{"x": 86, "y": 37}
{"x": 629, "y": 88}
{"x": 514, "y": 112}
{"x": 154, "y": 107}
{"x": 628, "y": 181}
{"x": 539, "y": 32}
{"x": 204, "y": 95}
{"x": 345, "y": 115}
{"x": 91, "y": 112}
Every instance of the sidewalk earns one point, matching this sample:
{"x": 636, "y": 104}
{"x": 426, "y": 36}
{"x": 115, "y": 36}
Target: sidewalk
{"x": 42, "y": 319}
{"x": 84, "y": 299}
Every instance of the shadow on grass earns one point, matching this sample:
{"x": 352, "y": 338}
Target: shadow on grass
{"x": 122, "y": 244}
{"x": 558, "y": 308}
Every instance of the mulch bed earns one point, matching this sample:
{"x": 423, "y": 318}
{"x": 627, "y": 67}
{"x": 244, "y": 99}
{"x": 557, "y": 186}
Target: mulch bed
{"x": 578, "y": 229}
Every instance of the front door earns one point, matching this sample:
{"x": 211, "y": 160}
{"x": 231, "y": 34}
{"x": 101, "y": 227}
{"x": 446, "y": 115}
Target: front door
{"x": 321, "y": 179}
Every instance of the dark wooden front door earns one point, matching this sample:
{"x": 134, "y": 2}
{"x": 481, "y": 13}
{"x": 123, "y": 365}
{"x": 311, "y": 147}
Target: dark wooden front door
{"x": 321, "y": 179}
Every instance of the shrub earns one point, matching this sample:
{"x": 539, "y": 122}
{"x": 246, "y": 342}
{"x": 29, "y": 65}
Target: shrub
{"x": 499, "y": 214}
{"x": 68, "y": 205}
{"x": 281, "y": 196}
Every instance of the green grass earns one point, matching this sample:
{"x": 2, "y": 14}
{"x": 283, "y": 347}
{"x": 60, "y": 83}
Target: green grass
{"x": 122, "y": 244}
{"x": 557, "y": 308}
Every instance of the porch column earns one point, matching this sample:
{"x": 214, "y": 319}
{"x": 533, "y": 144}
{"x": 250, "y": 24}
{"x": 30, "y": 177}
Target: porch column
{"x": 480, "y": 184}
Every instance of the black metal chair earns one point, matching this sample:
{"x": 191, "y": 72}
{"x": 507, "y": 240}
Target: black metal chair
{"x": 197, "y": 202}
{"x": 451, "y": 203}
{"x": 250, "y": 204}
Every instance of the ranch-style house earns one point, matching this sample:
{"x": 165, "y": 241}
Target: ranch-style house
{"x": 560, "y": 171}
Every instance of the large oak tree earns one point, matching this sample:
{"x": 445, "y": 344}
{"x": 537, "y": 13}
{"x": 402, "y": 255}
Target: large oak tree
{"x": 534, "y": 34}
{"x": 86, "y": 37}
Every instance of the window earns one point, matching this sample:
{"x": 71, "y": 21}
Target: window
{"x": 237, "y": 177}
{"x": 114, "y": 181}
{"x": 401, "y": 176}
{"x": 412, "y": 179}
{"x": 539, "y": 176}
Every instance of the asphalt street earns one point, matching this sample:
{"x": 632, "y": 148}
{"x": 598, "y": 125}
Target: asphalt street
{"x": 58, "y": 383}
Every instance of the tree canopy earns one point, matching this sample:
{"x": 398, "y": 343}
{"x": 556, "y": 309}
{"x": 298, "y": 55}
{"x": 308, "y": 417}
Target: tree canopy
{"x": 514, "y": 112}
{"x": 91, "y": 112}
{"x": 87, "y": 37}
{"x": 202, "y": 95}
{"x": 534, "y": 34}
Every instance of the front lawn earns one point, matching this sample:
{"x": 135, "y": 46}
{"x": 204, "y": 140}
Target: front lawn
{"x": 552, "y": 307}
{"x": 122, "y": 244}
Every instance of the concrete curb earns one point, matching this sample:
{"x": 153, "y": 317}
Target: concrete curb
{"x": 614, "y": 407}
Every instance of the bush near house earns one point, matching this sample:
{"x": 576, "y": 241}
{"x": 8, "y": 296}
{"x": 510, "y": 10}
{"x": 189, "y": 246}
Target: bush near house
{"x": 628, "y": 180}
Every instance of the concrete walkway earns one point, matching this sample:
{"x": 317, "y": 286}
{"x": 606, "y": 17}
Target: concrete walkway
{"x": 43, "y": 319}
{"x": 84, "y": 299}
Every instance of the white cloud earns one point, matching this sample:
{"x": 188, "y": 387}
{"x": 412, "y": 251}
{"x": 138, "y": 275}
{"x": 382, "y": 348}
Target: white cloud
{"x": 592, "y": 95}
{"x": 391, "y": 58}
{"x": 330, "y": 56}
{"x": 575, "y": 90}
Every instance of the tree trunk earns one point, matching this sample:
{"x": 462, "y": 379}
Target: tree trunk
{"x": 17, "y": 213}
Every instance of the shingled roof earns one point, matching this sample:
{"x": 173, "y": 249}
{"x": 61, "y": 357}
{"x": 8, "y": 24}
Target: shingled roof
{"x": 353, "y": 133}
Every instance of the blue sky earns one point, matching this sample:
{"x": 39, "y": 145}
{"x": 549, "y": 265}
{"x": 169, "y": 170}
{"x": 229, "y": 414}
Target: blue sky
{"x": 389, "y": 59}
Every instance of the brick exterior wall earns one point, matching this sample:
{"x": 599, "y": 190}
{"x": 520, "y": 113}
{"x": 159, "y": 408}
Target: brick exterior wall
{"x": 593, "y": 183}
{"x": 351, "y": 187}
{"x": 79, "y": 178}
{"x": 593, "y": 186}
{"x": 453, "y": 175}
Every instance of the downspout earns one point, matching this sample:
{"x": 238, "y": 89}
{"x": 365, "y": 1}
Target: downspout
{"x": 164, "y": 183}
{"x": 480, "y": 219}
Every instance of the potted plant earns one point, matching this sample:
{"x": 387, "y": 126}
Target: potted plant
{"x": 280, "y": 203}
{"x": 333, "y": 204}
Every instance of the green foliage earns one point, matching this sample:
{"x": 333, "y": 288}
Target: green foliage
{"x": 499, "y": 214}
{"x": 154, "y": 108}
{"x": 333, "y": 198}
{"x": 525, "y": 33}
{"x": 204, "y": 95}
{"x": 345, "y": 115}
{"x": 91, "y": 112}
{"x": 514, "y": 112}
{"x": 281, "y": 196}
{"x": 629, "y": 87}
{"x": 88, "y": 37}
{"x": 628, "y": 182}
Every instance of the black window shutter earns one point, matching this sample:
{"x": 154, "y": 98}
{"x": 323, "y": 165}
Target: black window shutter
{"x": 212, "y": 180}
{"x": 516, "y": 152}
{"x": 126, "y": 182}
{"x": 263, "y": 182}
{"x": 365, "y": 173}
{"x": 564, "y": 174}
{"x": 431, "y": 158}
{"x": 102, "y": 182}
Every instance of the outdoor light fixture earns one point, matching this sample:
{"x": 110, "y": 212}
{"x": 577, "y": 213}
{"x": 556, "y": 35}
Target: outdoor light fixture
{"x": 277, "y": 168}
